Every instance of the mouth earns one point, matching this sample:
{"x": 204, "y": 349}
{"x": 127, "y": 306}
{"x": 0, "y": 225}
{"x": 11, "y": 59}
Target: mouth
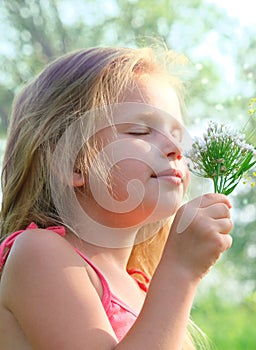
{"x": 171, "y": 175}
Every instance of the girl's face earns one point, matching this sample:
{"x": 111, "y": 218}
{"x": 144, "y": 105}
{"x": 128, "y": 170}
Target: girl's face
{"x": 146, "y": 172}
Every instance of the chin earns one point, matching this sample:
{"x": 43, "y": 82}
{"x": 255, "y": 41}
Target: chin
{"x": 164, "y": 210}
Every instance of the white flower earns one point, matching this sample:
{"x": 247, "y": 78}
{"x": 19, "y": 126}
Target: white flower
{"x": 221, "y": 154}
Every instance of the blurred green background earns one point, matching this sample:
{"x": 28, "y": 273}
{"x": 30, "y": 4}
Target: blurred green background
{"x": 219, "y": 38}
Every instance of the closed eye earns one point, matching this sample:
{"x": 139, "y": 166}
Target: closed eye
{"x": 139, "y": 131}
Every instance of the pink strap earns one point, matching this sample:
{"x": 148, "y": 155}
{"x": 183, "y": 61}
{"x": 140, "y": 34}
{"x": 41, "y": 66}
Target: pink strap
{"x": 8, "y": 242}
{"x": 106, "y": 291}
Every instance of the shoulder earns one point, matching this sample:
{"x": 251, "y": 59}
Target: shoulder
{"x": 32, "y": 238}
{"x": 38, "y": 255}
{"x": 45, "y": 276}
{"x": 34, "y": 245}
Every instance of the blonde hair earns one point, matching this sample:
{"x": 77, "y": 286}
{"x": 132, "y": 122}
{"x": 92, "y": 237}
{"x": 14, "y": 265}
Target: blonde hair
{"x": 69, "y": 87}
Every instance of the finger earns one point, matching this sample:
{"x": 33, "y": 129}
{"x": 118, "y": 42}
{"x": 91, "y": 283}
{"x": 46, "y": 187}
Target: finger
{"x": 226, "y": 242}
{"x": 190, "y": 210}
{"x": 224, "y": 226}
{"x": 217, "y": 211}
{"x": 211, "y": 198}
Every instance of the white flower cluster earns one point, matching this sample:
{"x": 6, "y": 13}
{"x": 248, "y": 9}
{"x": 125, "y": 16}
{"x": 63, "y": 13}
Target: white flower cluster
{"x": 221, "y": 135}
{"x": 221, "y": 154}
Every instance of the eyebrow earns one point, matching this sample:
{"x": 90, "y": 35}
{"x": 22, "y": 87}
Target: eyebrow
{"x": 153, "y": 116}
{"x": 146, "y": 115}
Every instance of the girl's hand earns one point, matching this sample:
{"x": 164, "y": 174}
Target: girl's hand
{"x": 199, "y": 234}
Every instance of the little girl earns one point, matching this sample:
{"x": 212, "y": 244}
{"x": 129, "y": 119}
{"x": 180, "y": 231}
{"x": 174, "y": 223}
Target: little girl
{"x": 97, "y": 251}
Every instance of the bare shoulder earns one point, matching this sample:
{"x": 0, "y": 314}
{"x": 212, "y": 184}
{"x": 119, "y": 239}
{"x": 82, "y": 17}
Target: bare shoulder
{"x": 36, "y": 256}
{"x": 44, "y": 276}
{"x": 39, "y": 243}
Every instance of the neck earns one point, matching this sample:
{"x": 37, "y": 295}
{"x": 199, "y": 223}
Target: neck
{"x": 105, "y": 237}
{"x": 98, "y": 239}
{"x": 104, "y": 252}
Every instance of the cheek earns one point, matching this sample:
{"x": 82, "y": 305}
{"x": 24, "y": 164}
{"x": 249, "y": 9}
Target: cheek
{"x": 130, "y": 168}
{"x": 128, "y": 179}
{"x": 121, "y": 184}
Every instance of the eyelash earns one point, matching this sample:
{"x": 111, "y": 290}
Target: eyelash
{"x": 139, "y": 133}
{"x": 176, "y": 134}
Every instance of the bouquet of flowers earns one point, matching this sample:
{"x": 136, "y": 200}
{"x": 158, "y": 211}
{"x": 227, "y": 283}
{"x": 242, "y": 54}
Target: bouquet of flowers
{"x": 223, "y": 155}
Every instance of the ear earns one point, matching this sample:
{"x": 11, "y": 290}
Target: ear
{"x": 78, "y": 179}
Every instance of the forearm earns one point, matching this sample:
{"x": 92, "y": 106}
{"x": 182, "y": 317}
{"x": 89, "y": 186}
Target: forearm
{"x": 164, "y": 316}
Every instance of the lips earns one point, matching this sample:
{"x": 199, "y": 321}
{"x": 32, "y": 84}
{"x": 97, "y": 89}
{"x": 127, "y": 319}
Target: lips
{"x": 169, "y": 172}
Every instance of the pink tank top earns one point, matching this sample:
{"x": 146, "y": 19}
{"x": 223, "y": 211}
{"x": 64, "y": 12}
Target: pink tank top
{"x": 120, "y": 316}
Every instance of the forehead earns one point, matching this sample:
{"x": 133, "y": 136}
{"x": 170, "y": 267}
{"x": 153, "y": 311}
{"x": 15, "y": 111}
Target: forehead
{"x": 150, "y": 100}
{"x": 157, "y": 92}
{"x": 144, "y": 114}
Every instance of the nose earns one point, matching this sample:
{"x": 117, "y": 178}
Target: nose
{"x": 171, "y": 148}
